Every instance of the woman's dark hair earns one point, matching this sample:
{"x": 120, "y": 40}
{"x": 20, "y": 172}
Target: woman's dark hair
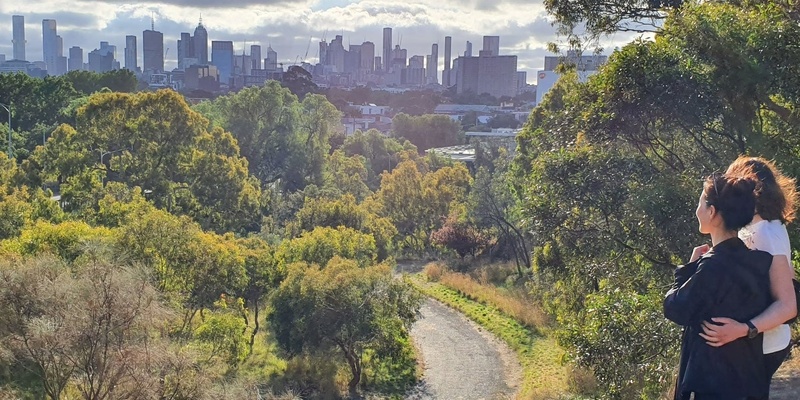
{"x": 734, "y": 198}
{"x": 776, "y": 194}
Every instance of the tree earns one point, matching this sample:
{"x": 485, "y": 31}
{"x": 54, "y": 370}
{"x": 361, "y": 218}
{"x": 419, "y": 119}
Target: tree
{"x": 86, "y": 329}
{"x": 153, "y": 141}
{"x": 299, "y": 81}
{"x": 341, "y": 307}
{"x": 381, "y": 153}
{"x": 324, "y": 243}
{"x": 427, "y": 131}
{"x": 459, "y": 237}
{"x": 88, "y": 82}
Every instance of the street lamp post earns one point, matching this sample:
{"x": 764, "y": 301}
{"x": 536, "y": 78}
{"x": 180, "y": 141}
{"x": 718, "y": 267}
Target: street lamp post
{"x": 8, "y": 109}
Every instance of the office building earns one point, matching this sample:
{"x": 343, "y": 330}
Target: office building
{"x": 433, "y": 65}
{"x": 378, "y": 64}
{"x": 491, "y": 46}
{"x": 75, "y": 62}
{"x": 468, "y": 51}
{"x": 367, "y": 57}
{"x": 186, "y": 51}
{"x": 399, "y": 58}
{"x": 448, "y": 42}
{"x": 222, "y": 58}
{"x": 581, "y": 62}
{"x": 131, "y": 54}
{"x": 271, "y": 62}
{"x": 18, "y": 37}
{"x": 200, "y": 40}
{"x": 255, "y": 56}
{"x": 152, "y": 51}
{"x": 201, "y": 77}
{"x": 336, "y": 53}
{"x": 50, "y": 52}
{"x": 387, "y": 49}
{"x": 496, "y": 75}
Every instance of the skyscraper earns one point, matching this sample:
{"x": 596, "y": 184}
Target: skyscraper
{"x": 222, "y": 58}
{"x": 255, "y": 56}
{"x": 131, "y": 62}
{"x": 271, "y": 62}
{"x": 468, "y": 51}
{"x": 367, "y": 57}
{"x": 75, "y": 62}
{"x": 387, "y": 49}
{"x": 18, "y": 37}
{"x": 200, "y": 40}
{"x": 336, "y": 53}
{"x": 446, "y": 73}
{"x": 491, "y": 46}
{"x": 49, "y": 43}
{"x": 152, "y": 51}
{"x": 186, "y": 51}
{"x": 433, "y": 64}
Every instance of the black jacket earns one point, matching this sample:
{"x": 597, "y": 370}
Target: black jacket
{"x": 729, "y": 281}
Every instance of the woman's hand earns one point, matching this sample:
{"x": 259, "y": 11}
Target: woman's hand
{"x": 699, "y": 251}
{"x": 722, "y": 331}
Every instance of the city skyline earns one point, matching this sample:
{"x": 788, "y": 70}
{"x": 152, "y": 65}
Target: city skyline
{"x": 292, "y": 28}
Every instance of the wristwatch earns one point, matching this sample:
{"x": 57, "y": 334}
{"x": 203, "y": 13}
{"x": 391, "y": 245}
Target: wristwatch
{"x": 752, "y": 331}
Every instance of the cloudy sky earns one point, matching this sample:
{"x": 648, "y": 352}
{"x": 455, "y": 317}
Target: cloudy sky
{"x": 290, "y": 25}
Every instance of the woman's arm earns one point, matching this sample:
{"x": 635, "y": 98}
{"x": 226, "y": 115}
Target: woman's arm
{"x": 783, "y": 308}
{"x": 686, "y": 301}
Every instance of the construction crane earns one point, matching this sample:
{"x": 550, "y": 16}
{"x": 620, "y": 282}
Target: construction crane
{"x": 166, "y": 51}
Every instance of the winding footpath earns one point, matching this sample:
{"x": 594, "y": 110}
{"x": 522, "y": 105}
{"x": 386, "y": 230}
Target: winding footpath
{"x": 461, "y": 360}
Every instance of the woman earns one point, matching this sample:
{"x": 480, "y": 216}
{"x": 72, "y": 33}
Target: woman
{"x": 727, "y": 280}
{"x": 775, "y": 207}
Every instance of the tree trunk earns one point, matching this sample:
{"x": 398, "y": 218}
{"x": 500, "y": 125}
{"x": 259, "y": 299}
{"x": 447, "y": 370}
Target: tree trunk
{"x": 255, "y": 325}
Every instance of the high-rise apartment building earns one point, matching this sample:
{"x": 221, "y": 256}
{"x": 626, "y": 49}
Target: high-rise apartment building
{"x": 152, "y": 51}
{"x": 75, "y": 62}
{"x": 387, "y": 49}
{"x": 399, "y": 58}
{"x": 255, "y": 56}
{"x": 200, "y": 40}
{"x": 448, "y": 43}
{"x": 49, "y": 45}
{"x": 131, "y": 61}
{"x": 18, "y": 37}
{"x": 491, "y": 46}
{"x": 222, "y": 58}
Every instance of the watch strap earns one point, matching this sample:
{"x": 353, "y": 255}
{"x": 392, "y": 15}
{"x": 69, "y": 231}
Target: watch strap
{"x": 752, "y": 331}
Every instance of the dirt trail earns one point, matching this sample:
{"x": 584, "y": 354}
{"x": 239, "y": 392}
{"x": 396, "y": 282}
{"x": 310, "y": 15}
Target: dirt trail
{"x": 461, "y": 360}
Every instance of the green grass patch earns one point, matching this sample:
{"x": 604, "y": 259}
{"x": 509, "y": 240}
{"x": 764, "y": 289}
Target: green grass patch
{"x": 544, "y": 374}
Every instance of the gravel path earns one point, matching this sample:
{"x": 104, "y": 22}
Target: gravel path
{"x": 461, "y": 360}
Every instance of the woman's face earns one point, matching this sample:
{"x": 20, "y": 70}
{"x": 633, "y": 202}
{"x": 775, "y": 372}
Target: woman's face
{"x": 704, "y": 214}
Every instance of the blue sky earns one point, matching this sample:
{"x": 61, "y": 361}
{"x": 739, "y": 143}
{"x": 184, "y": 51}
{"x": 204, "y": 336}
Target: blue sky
{"x": 288, "y": 25}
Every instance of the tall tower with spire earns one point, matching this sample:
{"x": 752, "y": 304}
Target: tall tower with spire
{"x": 201, "y": 43}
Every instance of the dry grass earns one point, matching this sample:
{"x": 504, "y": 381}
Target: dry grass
{"x": 514, "y": 305}
{"x": 434, "y": 271}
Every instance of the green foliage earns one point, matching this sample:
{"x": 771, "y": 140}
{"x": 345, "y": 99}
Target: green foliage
{"x": 222, "y": 333}
{"x": 67, "y": 240}
{"x": 607, "y": 337}
{"x": 323, "y": 243}
{"x": 417, "y": 202}
{"x": 34, "y": 100}
{"x": 427, "y": 131}
{"x": 87, "y": 82}
{"x": 153, "y": 141}
{"x": 283, "y": 139}
{"x": 342, "y": 307}
{"x": 382, "y": 154}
